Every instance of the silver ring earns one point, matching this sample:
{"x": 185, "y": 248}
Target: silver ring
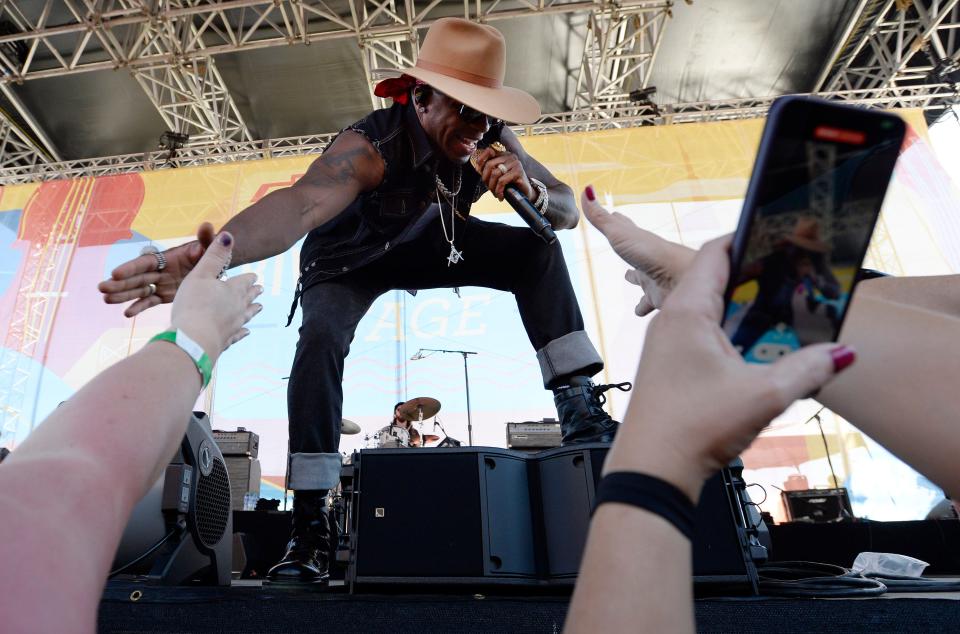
{"x": 161, "y": 261}
{"x": 151, "y": 289}
{"x": 503, "y": 168}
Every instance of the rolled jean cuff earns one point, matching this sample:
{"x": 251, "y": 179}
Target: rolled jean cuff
{"x": 314, "y": 471}
{"x": 571, "y": 354}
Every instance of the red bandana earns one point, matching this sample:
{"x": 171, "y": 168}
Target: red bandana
{"x": 396, "y": 88}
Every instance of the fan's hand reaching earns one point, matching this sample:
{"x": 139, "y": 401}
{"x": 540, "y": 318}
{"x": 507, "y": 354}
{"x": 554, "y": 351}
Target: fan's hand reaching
{"x": 142, "y": 280}
{"x": 658, "y": 264}
{"x": 214, "y": 312}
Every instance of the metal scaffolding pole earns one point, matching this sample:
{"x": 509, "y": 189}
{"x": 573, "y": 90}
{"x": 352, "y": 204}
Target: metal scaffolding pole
{"x": 619, "y": 53}
{"x": 115, "y": 37}
{"x": 18, "y": 150}
{"x": 895, "y": 43}
{"x": 926, "y": 96}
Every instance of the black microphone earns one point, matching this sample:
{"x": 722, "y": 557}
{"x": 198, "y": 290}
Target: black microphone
{"x": 524, "y": 208}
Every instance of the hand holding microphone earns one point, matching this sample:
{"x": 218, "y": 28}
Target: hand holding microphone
{"x": 502, "y": 178}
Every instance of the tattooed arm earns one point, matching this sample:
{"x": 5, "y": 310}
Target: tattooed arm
{"x": 269, "y": 227}
{"x": 272, "y": 225}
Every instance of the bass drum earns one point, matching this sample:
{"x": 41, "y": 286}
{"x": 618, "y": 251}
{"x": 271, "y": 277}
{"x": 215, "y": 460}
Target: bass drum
{"x": 392, "y": 437}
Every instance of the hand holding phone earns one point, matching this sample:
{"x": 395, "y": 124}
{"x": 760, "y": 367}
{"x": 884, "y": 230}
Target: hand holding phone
{"x": 814, "y": 198}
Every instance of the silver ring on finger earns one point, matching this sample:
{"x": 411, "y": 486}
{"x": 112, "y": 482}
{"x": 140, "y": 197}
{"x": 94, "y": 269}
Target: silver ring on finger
{"x": 151, "y": 289}
{"x": 161, "y": 261}
{"x": 149, "y": 250}
{"x": 503, "y": 168}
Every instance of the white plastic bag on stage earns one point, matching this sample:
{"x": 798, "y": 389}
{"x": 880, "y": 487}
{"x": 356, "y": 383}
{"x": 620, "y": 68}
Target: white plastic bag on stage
{"x": 888, "y": 564}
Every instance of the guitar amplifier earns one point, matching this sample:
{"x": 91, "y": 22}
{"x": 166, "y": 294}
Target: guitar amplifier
{"x": 530, "y": 435}
{"x": 237, "y": 443}
{"x": 244, "y": 473}
{"x": 817, "y": 505}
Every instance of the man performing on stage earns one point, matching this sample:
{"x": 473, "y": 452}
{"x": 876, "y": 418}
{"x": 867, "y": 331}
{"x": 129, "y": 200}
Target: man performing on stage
{"x": 387, "y": 207}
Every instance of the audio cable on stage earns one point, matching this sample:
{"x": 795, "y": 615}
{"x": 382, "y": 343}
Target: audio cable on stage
{"x": 811, "y": 579}
{"x": 177, "y": 529}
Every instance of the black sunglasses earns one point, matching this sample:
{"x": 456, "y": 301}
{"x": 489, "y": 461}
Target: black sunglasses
{"x": 470, "y": 115}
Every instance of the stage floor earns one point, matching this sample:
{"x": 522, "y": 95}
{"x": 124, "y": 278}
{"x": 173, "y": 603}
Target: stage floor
{"x": 247, "y": 607}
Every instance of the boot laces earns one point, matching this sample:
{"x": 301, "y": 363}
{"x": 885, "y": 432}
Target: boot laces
{"x": 598, "y": 390}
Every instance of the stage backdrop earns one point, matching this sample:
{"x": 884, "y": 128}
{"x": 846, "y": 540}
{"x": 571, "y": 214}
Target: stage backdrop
{"x": 58, "y": 239}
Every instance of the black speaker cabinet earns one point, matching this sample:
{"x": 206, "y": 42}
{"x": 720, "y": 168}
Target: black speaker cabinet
{"x": 495, "y": 516}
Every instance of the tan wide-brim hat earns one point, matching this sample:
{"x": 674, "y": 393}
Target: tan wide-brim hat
{"x": 806, "y": 235}
{"x": 467, "y": 61}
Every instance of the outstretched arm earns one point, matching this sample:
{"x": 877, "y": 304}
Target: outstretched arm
{"x": 269, "y": 227}
{"x": 273, "y": 224}
{"x": 68, "y": 489}
{"x": 903, "y": 390}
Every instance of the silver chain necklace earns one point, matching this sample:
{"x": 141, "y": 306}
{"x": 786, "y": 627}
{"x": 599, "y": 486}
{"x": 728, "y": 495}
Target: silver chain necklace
{"x": 451, "y": 196}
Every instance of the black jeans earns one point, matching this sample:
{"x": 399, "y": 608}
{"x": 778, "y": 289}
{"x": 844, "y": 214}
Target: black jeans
{"x": 495, "y": 256}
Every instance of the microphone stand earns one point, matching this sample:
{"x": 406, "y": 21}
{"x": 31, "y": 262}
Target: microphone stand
{"x": 437, "y": 423}
{"x": 466, "y": 379}
{"x": 826, "y": 448}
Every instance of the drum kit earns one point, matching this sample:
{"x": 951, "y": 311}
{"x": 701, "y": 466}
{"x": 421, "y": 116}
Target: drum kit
{"x": 416, "y": 410}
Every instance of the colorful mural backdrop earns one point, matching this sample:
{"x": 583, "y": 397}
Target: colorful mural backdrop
{"x": 58, "y": 239}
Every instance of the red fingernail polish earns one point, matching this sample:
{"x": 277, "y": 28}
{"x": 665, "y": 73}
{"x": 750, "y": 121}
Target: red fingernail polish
{"x": 225, "y": 239}
{"x": 843, "y": 357}
{"x": 590, "y": 194}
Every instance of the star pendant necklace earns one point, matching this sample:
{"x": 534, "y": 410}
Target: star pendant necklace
{"x": 451, "y": 196}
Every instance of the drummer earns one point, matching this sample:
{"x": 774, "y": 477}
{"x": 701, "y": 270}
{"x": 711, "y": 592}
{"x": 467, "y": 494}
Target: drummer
{"x": 399, "y": 420}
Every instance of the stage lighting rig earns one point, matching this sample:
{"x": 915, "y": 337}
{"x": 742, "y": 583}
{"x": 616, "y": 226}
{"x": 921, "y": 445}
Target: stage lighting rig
{"x": 947, "y": 71}
{"x": 641, "y": 97}
{"x": 14, "y": 49}
{"x": 171, "y": 142}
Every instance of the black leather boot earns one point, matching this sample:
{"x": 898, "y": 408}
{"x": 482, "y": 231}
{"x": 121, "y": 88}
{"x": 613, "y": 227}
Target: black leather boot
{"x": 308, "y": 552}
{"x": 580, "y": 407}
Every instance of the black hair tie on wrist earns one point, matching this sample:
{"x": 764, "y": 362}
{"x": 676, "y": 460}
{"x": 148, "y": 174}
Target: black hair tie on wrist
{"x": 649, "y": 493}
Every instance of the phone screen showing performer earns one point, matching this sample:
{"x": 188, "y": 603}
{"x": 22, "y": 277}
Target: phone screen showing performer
{"x": 814, "y": 197}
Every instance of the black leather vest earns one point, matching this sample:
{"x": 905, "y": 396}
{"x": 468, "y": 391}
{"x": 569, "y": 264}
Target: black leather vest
{"x": 382, "y": 218}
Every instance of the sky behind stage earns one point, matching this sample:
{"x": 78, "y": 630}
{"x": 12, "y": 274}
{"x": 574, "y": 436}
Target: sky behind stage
{"x": 684, "y": 182}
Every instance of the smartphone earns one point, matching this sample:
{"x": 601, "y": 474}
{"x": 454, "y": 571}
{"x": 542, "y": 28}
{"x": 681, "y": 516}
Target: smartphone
{"x": 814, "y": 197}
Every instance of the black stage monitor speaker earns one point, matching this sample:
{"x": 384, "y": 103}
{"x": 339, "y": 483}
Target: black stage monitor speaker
{"x": 182, "y": 530}
{"x": 493, "y": 516}
{"x": 419, "y": 518}
{"x": 729, "y": 537}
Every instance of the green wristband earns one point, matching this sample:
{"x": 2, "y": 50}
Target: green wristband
{"x": 192, "y": 348}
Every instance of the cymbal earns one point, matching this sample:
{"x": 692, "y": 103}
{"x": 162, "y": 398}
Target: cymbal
{"x": 430, "y": 438}
{"x": 349, "y": 427}
{"x": 411, "y": 409}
